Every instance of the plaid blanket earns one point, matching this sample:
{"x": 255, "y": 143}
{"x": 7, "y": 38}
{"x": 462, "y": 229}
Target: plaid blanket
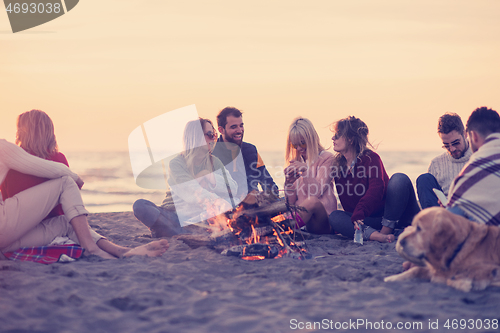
{"x": 476, "y": 189}
{"x": 45, "y": 254}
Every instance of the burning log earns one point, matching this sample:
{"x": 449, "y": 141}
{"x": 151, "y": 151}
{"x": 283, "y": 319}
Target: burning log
{"x": 255, "y": 230}
{"x": 271, "y": 209}
{"x": 254, "y": 251}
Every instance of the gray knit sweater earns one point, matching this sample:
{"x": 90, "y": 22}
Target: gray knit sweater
{"x": 445, "y": 168}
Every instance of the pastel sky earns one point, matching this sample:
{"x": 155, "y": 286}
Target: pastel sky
{"x": 106, "y": 67}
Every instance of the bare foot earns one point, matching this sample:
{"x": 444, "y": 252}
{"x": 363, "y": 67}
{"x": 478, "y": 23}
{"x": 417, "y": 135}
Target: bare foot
{"x": 382, "y": 238}
{"x": 153, "y": 249}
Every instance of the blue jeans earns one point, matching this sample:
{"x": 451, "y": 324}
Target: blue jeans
{"x": 161, "y": 222}
{"x": 400, "y": 208}
{"x": 425, "y": 183}
{"x": 341, "y": 222}
{"x": 400, "y": 203}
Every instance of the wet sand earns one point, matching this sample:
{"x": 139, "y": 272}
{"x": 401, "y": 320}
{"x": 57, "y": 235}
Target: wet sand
{"x": 199, "y": 290}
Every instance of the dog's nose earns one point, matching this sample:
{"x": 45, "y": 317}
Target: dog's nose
{"x": 402, "y": 242}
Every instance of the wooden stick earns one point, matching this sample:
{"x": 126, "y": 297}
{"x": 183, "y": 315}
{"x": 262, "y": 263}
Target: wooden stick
{"x": 276, "y": 228}
{"x": 294, "y": 215}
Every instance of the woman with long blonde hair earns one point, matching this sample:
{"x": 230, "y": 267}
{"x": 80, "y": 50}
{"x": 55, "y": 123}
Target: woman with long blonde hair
{"x": 308, "y": 176}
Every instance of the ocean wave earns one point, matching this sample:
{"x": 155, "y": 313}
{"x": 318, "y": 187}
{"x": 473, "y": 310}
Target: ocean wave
{"x": 107, "y": 192}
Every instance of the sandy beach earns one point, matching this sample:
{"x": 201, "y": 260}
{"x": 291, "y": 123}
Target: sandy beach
{"x": 199, "y": 290}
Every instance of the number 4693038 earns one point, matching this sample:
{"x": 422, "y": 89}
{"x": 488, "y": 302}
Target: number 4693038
{"x": 471, "y": 324}
{"x": 32, "y": 8}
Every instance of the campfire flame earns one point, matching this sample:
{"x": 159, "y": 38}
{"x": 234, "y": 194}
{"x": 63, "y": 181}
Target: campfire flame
{"x": 278, "y": 239}
{"x": 253, "y": 258}
{"x": 252, "y": 237}
{"x": 278, "y": 218}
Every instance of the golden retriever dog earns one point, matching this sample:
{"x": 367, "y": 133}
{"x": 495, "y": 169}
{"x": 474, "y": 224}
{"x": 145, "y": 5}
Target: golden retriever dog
{"x": 450, "y": 249}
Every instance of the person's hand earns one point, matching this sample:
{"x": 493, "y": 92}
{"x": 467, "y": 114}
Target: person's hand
{"x": 300, "y": 167}
{"x": 357, "y": 224}
{"x": 79, "y": 182}
{"x": 295, "y": 170}
{"x": 441, "y": 204}
{"x": 290, "y": 179}
{"x": 290, "y": 175}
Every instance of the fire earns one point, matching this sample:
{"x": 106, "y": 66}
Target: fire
{"x": 278, "y": 218}
{"x": 253, "y": 258}
{"x": 282, "y": 253}
{"x": 214, "y": 214}
{"x": 278, "y": 238}
{"x": 254, "y": 238}
{"x": 249, "y": 236}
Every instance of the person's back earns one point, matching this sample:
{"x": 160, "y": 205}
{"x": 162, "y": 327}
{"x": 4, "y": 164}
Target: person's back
{"x": 16, "y": 182}
{"x": 13, "y": 157}
{"x": 475, "y": 192}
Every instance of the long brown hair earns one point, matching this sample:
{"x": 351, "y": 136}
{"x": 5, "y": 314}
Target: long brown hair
{"x": 35, "y": 134}
{"x": 355, "y": 132}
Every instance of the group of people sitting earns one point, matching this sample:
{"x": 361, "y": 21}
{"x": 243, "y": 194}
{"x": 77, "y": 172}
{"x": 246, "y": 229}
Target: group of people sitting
{"x": 41, "y": 198}
{"x": 469, "y": 171}
{"x": 314, "y": 177}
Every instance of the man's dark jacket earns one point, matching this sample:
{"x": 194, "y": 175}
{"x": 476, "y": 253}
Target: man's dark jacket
{"x": 253, "y": 174}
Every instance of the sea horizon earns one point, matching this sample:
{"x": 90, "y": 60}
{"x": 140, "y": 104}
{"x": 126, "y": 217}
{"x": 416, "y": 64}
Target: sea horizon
{"x": 110, "y": 185}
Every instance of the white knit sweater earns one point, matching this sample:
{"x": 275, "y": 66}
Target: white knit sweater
{"x": 445, "y": 168}
{"x": 14, "y": 157}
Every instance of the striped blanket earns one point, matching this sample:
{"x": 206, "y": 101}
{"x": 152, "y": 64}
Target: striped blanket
{"x": 476, "y": 189}
{"x": 46, "y": 254}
